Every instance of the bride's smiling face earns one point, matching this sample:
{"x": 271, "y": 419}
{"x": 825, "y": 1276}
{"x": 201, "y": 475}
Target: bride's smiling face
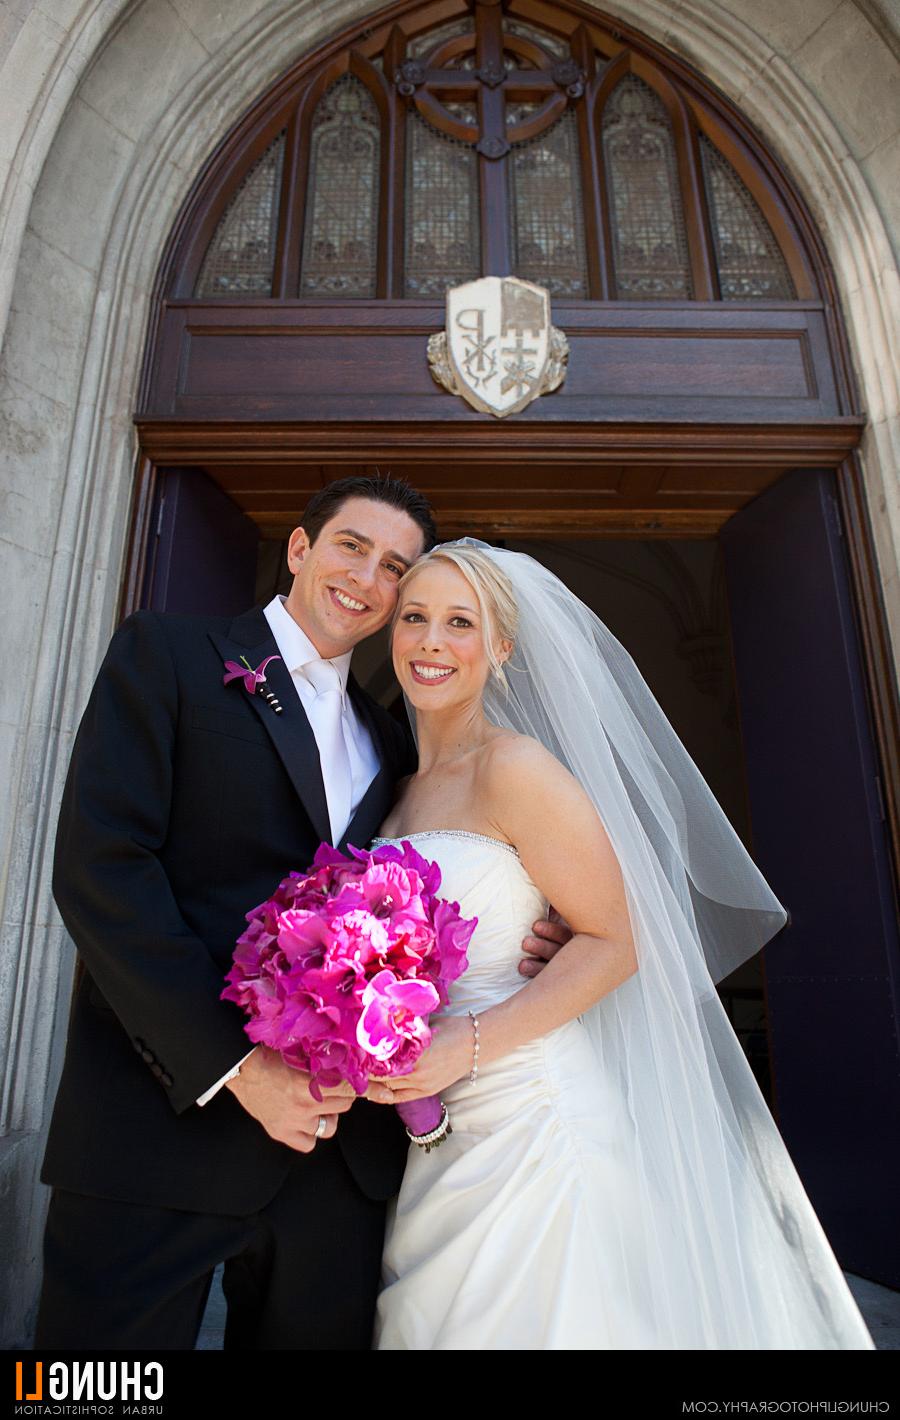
{"x": 438, "y": 645}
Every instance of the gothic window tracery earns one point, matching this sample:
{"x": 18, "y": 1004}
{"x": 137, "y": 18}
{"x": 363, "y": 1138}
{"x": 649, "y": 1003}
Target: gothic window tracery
{"x": 650, "y": 252}
{"x": 241, "y": 255}
{"x": 340, "y": 242}
{"x": 488, "y": 142}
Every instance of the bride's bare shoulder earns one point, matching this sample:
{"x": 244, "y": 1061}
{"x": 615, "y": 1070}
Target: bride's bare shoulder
{"x": 520, "y": 773}
{"x": 509, "y": 753}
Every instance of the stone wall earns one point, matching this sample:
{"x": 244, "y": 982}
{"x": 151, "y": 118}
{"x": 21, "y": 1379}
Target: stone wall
{"x": 107, "y": 110}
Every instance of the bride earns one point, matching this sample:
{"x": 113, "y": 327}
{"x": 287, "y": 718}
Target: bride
{"x": 613, "y": 1179}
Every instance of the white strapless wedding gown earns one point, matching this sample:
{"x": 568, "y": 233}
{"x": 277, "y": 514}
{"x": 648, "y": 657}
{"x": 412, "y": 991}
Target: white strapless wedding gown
{"x": 504, "y": 1236}
{"x": 522, "y": 1231}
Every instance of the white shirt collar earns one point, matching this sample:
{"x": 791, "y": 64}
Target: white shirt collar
{"x": 295, "y": 646}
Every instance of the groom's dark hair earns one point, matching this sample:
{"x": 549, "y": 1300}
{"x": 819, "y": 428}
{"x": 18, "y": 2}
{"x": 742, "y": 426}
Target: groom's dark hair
{"x": 383, "y": 488}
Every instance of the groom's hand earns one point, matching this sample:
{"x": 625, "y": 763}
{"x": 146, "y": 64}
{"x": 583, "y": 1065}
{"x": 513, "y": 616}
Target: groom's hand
{"x": 549, "y": 935}
{"x": 278, "y": 1098}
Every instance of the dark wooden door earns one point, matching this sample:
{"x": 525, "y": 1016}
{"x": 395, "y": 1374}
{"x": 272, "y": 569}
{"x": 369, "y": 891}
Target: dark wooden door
{"x": 820, "y": 839}
{"x": 203, "y": 553}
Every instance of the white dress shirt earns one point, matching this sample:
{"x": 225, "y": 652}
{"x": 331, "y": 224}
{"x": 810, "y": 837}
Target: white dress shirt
{"x": 297, "y": 651}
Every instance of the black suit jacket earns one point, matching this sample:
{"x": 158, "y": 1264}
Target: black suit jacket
{"x": 186, "y": 802}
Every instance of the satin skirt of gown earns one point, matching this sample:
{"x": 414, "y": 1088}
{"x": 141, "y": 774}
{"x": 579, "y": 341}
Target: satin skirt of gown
{"x": 503, "y": 1237}
{"x": 521, "y": 1231}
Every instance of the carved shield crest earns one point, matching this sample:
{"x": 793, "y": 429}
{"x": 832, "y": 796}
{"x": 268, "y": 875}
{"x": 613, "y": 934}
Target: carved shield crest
{"x": 499, "y": 350}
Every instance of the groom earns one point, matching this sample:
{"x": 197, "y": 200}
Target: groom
{"x": 171, "y": 1147}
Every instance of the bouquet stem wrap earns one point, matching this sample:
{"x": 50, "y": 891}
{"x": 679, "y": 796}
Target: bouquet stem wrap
{"x": 421, "y": 1116}
{"x": 427, "y": 1121}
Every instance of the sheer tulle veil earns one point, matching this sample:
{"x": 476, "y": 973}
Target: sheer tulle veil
{"x": 735, "y": 1255}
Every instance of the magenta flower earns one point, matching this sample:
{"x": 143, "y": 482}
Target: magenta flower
{"x": 393, "y": 1012}
{"x": 341, "y": 967}
{"x": 252, "y": 678}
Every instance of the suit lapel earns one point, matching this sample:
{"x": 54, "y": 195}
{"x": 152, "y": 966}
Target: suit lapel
{"x": 291, "y": 733}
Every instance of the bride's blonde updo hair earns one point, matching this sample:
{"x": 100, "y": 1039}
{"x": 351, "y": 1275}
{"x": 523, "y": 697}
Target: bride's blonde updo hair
{"x": 493, "y": 590}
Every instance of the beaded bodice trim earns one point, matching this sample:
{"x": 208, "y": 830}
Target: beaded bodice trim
{"x": 449, "y": 833}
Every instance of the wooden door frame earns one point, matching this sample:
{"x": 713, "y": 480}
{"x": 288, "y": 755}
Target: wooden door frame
{"x": 874, "y": 637}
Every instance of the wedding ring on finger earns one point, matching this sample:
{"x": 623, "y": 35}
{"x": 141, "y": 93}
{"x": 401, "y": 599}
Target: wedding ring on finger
{"x": 321, "y": 1127}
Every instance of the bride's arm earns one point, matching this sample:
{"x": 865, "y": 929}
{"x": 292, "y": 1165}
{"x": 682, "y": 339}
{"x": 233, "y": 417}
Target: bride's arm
{"x": 537, "y": 804}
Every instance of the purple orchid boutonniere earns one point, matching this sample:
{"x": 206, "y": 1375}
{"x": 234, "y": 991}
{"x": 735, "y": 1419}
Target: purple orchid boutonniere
{"x": 254, "y": 680}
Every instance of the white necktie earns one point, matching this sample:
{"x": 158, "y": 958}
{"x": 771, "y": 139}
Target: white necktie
{"x": 328, "y": 728}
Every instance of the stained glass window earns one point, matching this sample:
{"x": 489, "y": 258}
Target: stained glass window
{"x": 241, "y": 256}
{"x": 340, "y": 240}
{"x": 512, "y": 60}
{"x": 748, "y": 257}
{"x": 466, "y": 109}
{"x": 520, "y": 111}
{"x": 650, "y": 251}
{"x": 423, "y": 44}
{"x": 460, "y": 187}
{"x": 546, "y": 210}
{"x": 553, "y": 44}
{"x": 443, "y": 241}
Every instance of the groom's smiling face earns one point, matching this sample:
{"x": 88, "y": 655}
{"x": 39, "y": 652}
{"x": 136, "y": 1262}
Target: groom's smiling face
{"x": 345, "y": 583}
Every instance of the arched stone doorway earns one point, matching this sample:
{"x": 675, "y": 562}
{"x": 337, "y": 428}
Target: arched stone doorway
{"x": 100, "y": 165}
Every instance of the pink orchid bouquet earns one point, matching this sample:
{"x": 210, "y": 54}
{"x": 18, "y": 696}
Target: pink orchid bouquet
{"x": 340, "y": 969}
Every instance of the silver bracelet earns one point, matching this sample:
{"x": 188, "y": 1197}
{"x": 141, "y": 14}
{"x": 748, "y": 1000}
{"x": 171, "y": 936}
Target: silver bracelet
{"x": 473, "y": 1073}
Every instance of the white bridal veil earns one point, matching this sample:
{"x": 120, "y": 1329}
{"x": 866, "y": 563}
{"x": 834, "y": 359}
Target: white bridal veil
{"x": 737, "y": 1258}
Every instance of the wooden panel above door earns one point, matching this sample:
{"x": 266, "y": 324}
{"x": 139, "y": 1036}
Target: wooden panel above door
{"x": 685, "y": 362}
